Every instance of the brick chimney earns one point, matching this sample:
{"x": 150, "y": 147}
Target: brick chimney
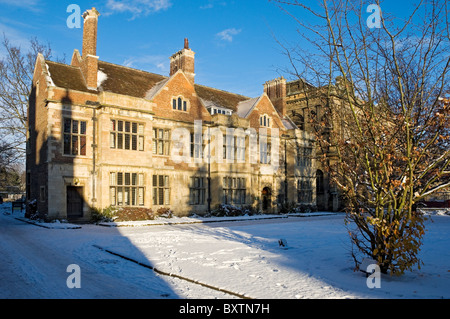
{"x": 184, "y": 60}
{"x": 276, "y": 91}
{"x": 89, "y": 65}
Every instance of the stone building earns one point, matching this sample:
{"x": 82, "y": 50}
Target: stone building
{"x": 102, "y": 135}
{"x": 308, "y": 105}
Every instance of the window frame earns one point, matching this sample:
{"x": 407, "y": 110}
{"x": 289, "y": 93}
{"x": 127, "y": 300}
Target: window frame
{"x": 160, "y": 190}
{"x": 265, "y": 150}
{"x": 197, "y": 191}
{"x": 126, "y": 189}
{"x": 196, "y": 145}
{"x": 305, "y": 191}
{"x": 234, "y": 190}
{"x": 126, "y": 135}
{"x": 265, "y": 120}
{"x": 304, "y": 156}
{"x": 79, "y": 148}
{"x": 180, "y": 103}
{"x": 161, "y": 143}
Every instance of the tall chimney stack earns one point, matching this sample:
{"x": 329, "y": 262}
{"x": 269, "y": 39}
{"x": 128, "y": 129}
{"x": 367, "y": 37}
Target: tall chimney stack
{"x": 276, "y": 91}
{"x": 184, "y": 60}
{"x": 89, "y": 65}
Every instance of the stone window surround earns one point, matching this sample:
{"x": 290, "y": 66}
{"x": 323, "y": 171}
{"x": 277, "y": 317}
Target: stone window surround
{"x": 180, "y": 103}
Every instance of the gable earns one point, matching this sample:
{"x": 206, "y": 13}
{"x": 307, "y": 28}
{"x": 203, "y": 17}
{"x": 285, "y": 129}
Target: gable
{"x": 159, "y": 89}
{"x": 263, "y": 106}
{"x": 177, "y": 87}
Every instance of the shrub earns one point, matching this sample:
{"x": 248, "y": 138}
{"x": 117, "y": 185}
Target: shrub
{"x": 225, "y": 210}
{"x": 121, "y": 214}
{"x": 394, "y": 242}
{"x": 293, "y": 208}
{"x": 286, "y": 208}
{"x": 164, "y": 212}
{"x": 134, "y": 214}
{"x": 103, "y": 215}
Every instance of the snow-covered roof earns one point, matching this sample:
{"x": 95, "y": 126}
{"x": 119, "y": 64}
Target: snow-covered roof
{"x": 288, "y": 123}
{"x": 244, "y": 108}
{"x": 155, "y": 89}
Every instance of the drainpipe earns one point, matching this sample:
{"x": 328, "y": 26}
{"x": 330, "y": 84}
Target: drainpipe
{"x": 209, "y": 166}
{"x": 94, "y": 148}
{"x": 95, "y": 106}
{"x": 285, "y": 136}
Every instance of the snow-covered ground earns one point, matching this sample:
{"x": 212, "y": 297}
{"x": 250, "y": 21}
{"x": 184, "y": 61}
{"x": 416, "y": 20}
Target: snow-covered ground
{"x": 242, "y": 257}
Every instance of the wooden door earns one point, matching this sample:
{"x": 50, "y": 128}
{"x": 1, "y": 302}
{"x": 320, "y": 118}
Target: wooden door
{"x": 74, "y": 202}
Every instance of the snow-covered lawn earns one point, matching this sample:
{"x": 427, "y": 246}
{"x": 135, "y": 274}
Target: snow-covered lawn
{"x": 244, "y": 257}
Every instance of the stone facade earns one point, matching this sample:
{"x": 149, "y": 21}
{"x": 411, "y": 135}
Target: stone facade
{"x": 101, "y": 134}
{"x": 308, "y": 105}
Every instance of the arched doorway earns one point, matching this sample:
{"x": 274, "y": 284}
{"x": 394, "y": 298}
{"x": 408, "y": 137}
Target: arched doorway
{"x": 266, "y": 195}
{"x": 321, "y": 198}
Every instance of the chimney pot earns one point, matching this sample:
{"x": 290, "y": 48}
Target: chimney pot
{"x": 184, "y": 60}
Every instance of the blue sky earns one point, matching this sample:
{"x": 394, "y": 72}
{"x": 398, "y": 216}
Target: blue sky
{"x": 233, "y": 39}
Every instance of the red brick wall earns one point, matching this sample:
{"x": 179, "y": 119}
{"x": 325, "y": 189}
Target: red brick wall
{"x": 178, "y": 85}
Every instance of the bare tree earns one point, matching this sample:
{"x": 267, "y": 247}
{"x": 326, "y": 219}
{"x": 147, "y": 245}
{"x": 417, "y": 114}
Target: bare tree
{"x": 16, "y": 73}
{"x": 390, "y": 141}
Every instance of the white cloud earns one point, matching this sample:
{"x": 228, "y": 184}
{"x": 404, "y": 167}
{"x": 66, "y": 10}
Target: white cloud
{"x": 151, "y": 63}
{"x": 227, "y": 34}
{"x": 138, "y": 7}
{"x": 23, "y": 3}
{"x": 212, "y": 3}
{"x": 14, "y": 36}
{"x": 207, "y": 6}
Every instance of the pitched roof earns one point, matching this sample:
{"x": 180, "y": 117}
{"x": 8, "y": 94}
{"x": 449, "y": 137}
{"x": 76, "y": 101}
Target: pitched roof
{"x": 219, "y": 97}
{"x": 245, "y": 107}
{"x": 132, "y": 82}
{"x": 66, "y": 76}
{"x": 128, "y": 81}
{"x": 288, "y": 123}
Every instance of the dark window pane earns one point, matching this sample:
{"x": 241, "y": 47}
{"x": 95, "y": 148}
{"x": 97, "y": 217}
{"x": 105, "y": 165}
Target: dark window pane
{"x": 67, "y": 123}
{"x": 134, "y": 142}
{"x": 83, "y": 127}
{"x": 120, "y": 140}
{"x": 161, "y": 196}
{"x": 74, "y": 126}
{"x": 127, "y": 141}
{"x": 67, "y": 144}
